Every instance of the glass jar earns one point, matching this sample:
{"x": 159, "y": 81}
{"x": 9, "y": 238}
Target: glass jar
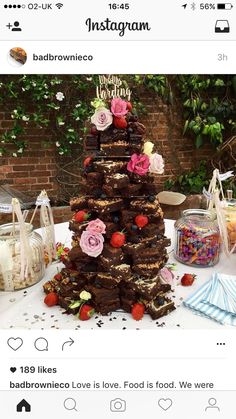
{"x": 230, "y": 215}
{"x": 197, "y": 238}
{"x": 11, "y": 277}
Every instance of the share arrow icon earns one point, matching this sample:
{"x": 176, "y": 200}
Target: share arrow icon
{"x": 67, "y": 343}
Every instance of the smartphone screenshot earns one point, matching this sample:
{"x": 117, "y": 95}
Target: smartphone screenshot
{"x": 117, "y": 209}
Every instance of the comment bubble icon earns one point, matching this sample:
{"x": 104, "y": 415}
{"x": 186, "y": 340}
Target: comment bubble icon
{"x": 41, "y": 344}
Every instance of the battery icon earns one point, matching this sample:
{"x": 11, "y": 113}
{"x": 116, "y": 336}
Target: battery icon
{"x": 224, "y": 6}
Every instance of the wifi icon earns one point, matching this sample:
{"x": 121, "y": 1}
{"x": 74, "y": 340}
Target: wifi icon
{"x": 59, "y": 5}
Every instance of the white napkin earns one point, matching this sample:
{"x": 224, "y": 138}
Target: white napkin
{"x": 216, "y": 299}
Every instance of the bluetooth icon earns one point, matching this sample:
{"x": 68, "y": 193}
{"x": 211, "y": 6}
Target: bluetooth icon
{"x": 193, "y": 6}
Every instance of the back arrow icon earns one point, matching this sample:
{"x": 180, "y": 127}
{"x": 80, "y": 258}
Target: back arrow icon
{"x": 68, "y": 342}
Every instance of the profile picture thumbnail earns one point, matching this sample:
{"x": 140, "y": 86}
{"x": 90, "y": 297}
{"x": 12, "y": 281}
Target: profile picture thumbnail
{"x": 17, "y": 56}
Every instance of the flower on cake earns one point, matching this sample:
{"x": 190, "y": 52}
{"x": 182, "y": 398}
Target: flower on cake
{"x": 96, "y": 226}
{"x": 85, "y": 295}
{"x": 148, "y": 148}
{"x": 157, "y": 164}
{"x": 91, "y": 243}
{"x": 139, "y": 164}
{"x": 102, "y": 118}
{"x": 167, "y": 276}
{"x": 119, "y": 107}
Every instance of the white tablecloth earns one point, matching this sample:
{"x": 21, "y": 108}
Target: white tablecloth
{"x": 26, "y": 309}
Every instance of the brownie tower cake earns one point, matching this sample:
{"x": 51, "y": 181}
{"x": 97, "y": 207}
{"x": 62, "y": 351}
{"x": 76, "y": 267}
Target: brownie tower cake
{"x": 118, "y": 245}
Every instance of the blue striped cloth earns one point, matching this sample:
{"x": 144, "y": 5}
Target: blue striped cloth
{"x": 216, "y": 299}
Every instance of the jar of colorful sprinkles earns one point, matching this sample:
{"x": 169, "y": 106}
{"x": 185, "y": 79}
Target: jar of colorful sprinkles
{"x": 197, "y": 238}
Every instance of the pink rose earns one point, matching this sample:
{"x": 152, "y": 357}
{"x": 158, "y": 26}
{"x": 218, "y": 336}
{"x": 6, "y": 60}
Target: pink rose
{"x": 96, "y": 226}
{"x": 167, "y": 276}
{"x": 119, "y": 107}
{"x": 102, "y": 119}
{"x": 91, "y": 243}
{"x": 157, "y": 164}
{"x": 139, "y": 164}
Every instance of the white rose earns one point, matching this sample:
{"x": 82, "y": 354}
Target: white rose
{"x": 102, "y": 119}
{"x": 84, "y": 295}
{"x": 157, "y": 164}
{"x": 148, "y": 147}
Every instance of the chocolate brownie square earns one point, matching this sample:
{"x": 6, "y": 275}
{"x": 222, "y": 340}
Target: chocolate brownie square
{"x": 151, "y": 229}
{"x": 113, "y": 135}
{"x": 150, "y": 254}
{"x": 144, "y": 205}
{"x": 149, "y": 288}
{"x": 109, "y": 166}
{"x": 106, "y": 280}
{"x": 134, "y": 178}
{"x": 127, "y": 216}
{"x": 114, "y": 253}
{"x": 150, "y": 269}
{"x": 91, "y": 143}
{"x": 134, "y": 248}
{"x": 65, "y": 303}
{"x": 127, "y": 304}
{"x": 76, "y": 254}
{"x": 109, "y": 191}
{"x": 78, "y": 203}
{"x": 135, "y": 148}
{"x": 117, "y": 180}
{"x": 110, "y": 229}
{"x": 77, "y": 227}
{"x": 108, "y": 308}
{"x": 103, "y": 296}
{"x": 95, "y": 178}
{"x": 160, "y": 307}
{"x": 130, "y": 190}
{"x": 119, "y": 148}
{"x": 122, "y": 271}
{"x": 105, "y": 205}
{"x": 156, "y": 216}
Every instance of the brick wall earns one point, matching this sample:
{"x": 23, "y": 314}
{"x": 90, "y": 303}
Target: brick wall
{"x": 37, "y": 169}
{"x": 165, "y": 128}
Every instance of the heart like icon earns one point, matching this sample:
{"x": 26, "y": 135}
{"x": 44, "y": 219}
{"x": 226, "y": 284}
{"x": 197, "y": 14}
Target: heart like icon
{"x": 165, "y": 404}
{"x": 15, "y": 343}
{"x": 13, "y": 369}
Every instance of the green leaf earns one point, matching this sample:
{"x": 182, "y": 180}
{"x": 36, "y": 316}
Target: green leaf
{"x": 75, "y": 304}
{"x": 199, "y": 141}
{"x": 185, "y": 127}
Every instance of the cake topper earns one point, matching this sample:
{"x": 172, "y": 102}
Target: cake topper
{"x": 111, "y": 87}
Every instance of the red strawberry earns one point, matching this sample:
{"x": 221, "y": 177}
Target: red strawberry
{"x": 87, "y": 161}
{"x": 117, "y": 239}
{"x": 58, "y": 277}
{"x": 86, "y": 312}
{"x": 129, "y": 106}
{"x": 187, "y": 280}
{"x": 141, "y": 221}
{"x": 138, "y": 311}
{"x": 81, "y": 216}
{"x": 51, "y": 299}
{"x": 120, "y": 122}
